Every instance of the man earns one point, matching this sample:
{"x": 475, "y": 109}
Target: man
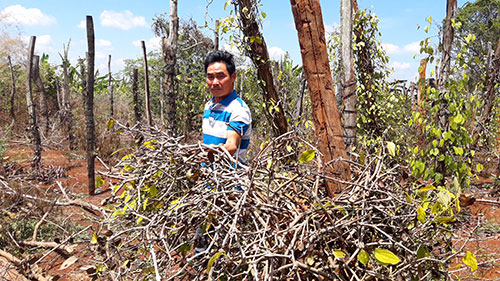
{"x": 226, "y": 118}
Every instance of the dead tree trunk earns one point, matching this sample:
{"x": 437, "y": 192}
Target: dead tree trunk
{"x": 146, "y": 85}
{"x": 421, "y": 96}
{"x": 169, "y": 49}
{"x": 348, "y": 78}
{"x": 311, "y": 32}
{"x": 448, "y": 31}
{"x": 37, "y": 143}
{"x": 66, "y": 116}
{"x": 300, "y": 97}
{"x": 89, "y": 105}
{"x": 216, "y": 36}
{"x": 411, "y": 90}
{"x": 260, "y": 57}
{"x": 110, "y": 90}
{"x": 421, "y": 84}
{"x": 43, "y": 94}
{"x": 58, "y": 94}
{"x": 444, "y": 72}
{"x": 163, "y": 101}
{"x": 135, "y": 92}
{"x": 13, "y": 91}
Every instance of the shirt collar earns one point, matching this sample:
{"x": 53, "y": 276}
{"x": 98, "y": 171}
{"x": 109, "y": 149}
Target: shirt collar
{"x": 227, "y": 100}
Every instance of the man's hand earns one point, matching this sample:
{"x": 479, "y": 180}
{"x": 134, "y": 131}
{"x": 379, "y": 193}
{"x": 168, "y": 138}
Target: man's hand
{"x": 208, "y": 154}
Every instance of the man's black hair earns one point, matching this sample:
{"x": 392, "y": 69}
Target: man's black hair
{"x": 221, "y": 56}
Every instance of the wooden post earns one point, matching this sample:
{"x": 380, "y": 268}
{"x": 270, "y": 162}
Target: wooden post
{"x": 146, "y": 85}
{"x": 348, "y": 79}
{"x": 110, "y": 90}
{"x": 43, "y": 94}
{"x": 135, "y": 92}
{"x": 311, "y": 32}
{"x": 13, "y": 91}
{"x": 89, "y": 106}
{"x": 216, "y": 36}
{"x": 37, "y": 142}
{"x": 169, "y": 50}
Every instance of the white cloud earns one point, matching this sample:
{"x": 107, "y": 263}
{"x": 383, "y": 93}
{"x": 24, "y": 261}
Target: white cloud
{"x": 43, "y": 44}
{"x": 244, "y": 61}
{"x": 118, "y": 64}
{"x": 276, "y": 53}
{"x": 100, "y": 55}
{"x": 20, "y": 15}
{"x": 398, "y": 66}
{"x": 413, "y": 47}
{"x": 123, "y": 20}
{"x": 82, "y": 24}
{"x": 103, "y": 43}
{"x": 391, "y": 48}
{"x": 152, "y": 43}
{"x": 330, "y": 28}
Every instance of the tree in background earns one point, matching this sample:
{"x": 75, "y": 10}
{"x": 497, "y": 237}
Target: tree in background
{"x": 479, "y": 29}
{"x": 65, "y": 113}
{"x": 12, "y": 56}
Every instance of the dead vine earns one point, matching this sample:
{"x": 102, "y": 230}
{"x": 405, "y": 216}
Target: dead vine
{"x": 267, "y": 221}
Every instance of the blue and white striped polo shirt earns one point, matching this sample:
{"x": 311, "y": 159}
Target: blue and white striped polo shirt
{"x": 229, "y": 114}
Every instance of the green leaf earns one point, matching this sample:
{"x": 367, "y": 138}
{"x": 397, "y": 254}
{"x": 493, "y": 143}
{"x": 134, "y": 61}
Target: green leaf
{"x": 94, "y": 238}
{"x": 427, "y": 188}
{"x": 385, "y": 257}
{"x": 445, "y": 220}
{"x": 470, "y": 260}
{"x": 98, "y": 182}
{"x": 110, "y": 124}
{"x": 421, "y": 214}
{"x": 479, "y": 167}
{"x": 444, "y": 198}
{"x": 339, "y": 254}
{"x": 264, "y": 15}
{"x": 185, "y": 248}
{"x": 422, "y": 252}
{"x": 363, "y": 257}
{"x": 391, "y": 147}
{"x": 307, "y": 155}
{"x": 212, "y": 260}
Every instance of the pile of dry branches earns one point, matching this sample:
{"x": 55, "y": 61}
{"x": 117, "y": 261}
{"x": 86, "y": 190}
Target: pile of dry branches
{"x": 267, "y": 221}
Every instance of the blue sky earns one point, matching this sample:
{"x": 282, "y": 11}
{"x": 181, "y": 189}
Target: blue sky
{"x": 121, "y": 24}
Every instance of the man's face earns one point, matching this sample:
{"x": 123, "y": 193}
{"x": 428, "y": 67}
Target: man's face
{"x": 220, "y": 83}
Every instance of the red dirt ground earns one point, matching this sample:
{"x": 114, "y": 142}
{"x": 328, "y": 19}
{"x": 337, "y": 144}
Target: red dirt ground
{"x": 75, "y": 183}
{"x": 484, "y": 241}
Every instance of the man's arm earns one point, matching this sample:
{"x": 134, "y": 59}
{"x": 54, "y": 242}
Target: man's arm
{"x": 233, "y": 140}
